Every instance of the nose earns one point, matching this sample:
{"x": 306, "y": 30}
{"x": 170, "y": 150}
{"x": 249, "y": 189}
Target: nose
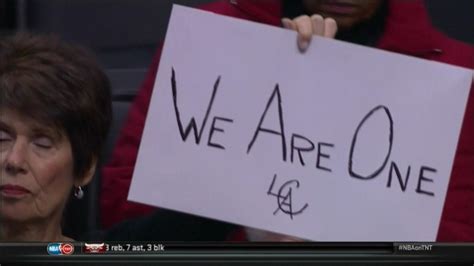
{"x": 15, "y": 158}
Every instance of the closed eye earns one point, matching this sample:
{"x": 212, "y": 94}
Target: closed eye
{"x": 4, "y": 136}
{"x": 43, "y": 142}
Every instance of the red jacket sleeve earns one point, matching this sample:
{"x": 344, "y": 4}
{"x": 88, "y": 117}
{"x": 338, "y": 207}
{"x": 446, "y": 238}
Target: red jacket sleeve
{"x": 117, "y": 174}
{"x": 457, "y": 221}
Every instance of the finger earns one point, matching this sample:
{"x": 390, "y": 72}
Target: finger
{"x": 288, "y": 24}
{"x": 304, "y": 27}
{"x": 330, "y": 28}
{"x": 318, "y": 25}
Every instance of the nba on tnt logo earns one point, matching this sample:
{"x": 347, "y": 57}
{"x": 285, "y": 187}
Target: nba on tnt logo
{"x": 60, "y": 249}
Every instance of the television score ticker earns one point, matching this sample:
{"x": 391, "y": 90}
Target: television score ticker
{"x": 291, "y": 252}
{"x": 121, "y": 248}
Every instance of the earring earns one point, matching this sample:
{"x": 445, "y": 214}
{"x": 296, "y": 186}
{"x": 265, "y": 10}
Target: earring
{"x": 78, "y": 192}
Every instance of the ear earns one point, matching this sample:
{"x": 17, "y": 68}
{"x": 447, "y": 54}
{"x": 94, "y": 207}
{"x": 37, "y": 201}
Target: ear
{"x": 88, "y": 175}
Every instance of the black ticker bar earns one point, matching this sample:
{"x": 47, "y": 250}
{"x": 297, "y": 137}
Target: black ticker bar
{"x": 288, "y": 253}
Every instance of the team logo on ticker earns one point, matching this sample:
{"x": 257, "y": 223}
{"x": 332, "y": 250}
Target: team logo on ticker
{"x": 94, "y": 248}
{"x": 60, "y": 249}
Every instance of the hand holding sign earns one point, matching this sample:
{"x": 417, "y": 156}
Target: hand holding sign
{"x": 308, "y": 26}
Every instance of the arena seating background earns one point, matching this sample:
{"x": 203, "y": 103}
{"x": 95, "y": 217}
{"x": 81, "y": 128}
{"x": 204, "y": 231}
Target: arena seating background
{"x": 124, "y": 34}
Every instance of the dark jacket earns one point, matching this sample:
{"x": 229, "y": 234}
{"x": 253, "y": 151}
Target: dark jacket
{"x": 407, "y": 31}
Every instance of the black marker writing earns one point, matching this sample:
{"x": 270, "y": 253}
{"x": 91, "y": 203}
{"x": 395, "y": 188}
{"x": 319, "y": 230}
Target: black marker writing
{"x": 323, "y": 155}
{"x": 403, "y": 183}
{"x": 184, "y": 133}
{"x": 403, "y": 179}
{"x": 303, "y": 149}
{"x": 214, "y": 128}
{"x": 300, "y": 149}
{"x": 192, "y": 124}
{"x": 281, "y": 133}
{"x": 425, "y": 179}
{"x": 354, "y": 141}
{"x": 285, "y": 201}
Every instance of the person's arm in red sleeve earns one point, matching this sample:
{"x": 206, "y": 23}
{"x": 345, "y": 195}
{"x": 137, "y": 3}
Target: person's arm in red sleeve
{"x": 116, "y": 176}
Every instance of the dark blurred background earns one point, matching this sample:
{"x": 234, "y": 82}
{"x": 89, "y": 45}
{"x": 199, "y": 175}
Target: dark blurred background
{"x": 124, "y": 34}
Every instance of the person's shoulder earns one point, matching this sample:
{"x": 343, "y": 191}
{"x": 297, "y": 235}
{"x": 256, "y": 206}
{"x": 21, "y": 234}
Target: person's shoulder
{"x": 409, "y": 30}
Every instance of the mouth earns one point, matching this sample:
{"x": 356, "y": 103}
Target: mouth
{"x": 339, "y": 8}
{"x": 13, "y": 191}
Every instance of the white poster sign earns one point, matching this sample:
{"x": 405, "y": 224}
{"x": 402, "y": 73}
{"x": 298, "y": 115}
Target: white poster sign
{"x": 341, "y": 143}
